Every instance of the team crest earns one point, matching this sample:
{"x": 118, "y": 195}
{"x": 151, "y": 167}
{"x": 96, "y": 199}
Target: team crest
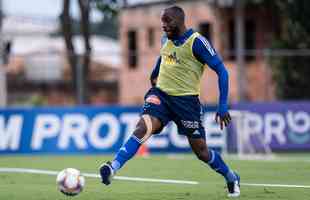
{"x": 153, "y": 99}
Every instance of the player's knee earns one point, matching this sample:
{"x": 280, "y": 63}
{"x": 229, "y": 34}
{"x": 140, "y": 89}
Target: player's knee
{"x": 203, "y": 154}
{"x": 140, "y": 130}
{"x": 144, "y": 128}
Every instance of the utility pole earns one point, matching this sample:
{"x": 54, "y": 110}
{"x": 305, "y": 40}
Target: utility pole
{"x": 3, "y": 92}
{"x": 80, "y": 83}
{"x": 240, "y": 48}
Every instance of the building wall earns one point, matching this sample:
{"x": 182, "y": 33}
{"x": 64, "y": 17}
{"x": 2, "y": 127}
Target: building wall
{"x": 22, "y": 90}
{"x": 135, "y": 82}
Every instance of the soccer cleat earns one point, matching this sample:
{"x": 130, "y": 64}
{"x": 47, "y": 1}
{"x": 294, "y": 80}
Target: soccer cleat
{"x": 106, "y": 173}
{"x": 234, "y": 187}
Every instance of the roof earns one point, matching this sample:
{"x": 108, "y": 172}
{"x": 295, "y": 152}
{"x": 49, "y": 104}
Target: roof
{"x": 143, "y": 3}
{"x": 104, "y": 50}
{"x": 22, "y": 25}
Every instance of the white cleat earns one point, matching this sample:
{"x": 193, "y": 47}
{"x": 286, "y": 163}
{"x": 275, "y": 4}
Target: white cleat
{"x": 234, "y": 188}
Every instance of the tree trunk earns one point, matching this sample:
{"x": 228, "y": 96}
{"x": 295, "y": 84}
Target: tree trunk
{"x": 79, "y": 69}
{"x": 68, "y": 36}
{"x": 86, "y": 58}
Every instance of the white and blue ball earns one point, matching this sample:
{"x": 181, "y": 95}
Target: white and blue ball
{"x": 70, "y": 181}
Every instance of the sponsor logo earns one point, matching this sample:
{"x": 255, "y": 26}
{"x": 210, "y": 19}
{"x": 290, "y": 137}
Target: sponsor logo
{"x": 196, "y": 132}
{"x": 123, "y": 149}
{"x": 172, "y": 59}
{"x": 153, "y": 99}
{"x": 190, "y": 124}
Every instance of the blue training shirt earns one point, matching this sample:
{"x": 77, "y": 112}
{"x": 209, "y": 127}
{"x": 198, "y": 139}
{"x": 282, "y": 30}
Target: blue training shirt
{"x": 204, "y": 53}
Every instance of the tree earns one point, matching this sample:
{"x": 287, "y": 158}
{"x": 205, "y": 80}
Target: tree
{"x": 73, "y": 58}
{"x": 80, "y": 63}
{"x": 291, "y": 72}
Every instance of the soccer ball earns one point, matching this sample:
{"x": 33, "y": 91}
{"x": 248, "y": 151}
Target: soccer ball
{"x": 70, "y": 181}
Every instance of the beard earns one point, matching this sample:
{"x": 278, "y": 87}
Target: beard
{"x": 173, "y": 33}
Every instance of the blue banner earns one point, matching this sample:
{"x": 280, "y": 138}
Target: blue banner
{"x": 88, "y": 130}
{"x": 280, "y": 126}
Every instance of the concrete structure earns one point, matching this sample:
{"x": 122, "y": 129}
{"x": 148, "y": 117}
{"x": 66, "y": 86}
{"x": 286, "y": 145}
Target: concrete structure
{"x": 140, "y": 36}
{"x": 37, "y": 64}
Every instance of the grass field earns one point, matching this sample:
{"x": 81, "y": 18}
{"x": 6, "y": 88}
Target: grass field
{"x": 290, "y": 170}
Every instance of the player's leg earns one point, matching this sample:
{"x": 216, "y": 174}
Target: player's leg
{"x": 215, "y": 161}
{"x": 154, "y": 117}
{"x": 188, "y": 114}
{"x": 146, "y": 126}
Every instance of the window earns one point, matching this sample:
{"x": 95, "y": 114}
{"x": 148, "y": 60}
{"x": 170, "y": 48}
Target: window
{"x": 132, "y": 49}
{"x": 151, "y": 37}
{"x": 205, "y": 30}
{"x": 250, "y": 31}
{"x": 231, "y": 39}
{"x": 250, "y": 39}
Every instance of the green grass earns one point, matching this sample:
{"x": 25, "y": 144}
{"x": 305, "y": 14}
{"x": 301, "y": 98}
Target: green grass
{"x": 211, "y": 185}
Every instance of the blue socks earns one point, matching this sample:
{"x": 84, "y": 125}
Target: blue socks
{"x": 217, "y": 164}
{"x": 132, "y": 145}
{"x": 125, "y": 153}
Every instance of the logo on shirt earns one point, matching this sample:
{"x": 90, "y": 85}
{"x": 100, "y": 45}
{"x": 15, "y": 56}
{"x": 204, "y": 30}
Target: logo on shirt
{"x": 153, "y": 99}
{"x": 172, "y": 59}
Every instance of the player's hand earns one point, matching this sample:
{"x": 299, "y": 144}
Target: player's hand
{"x": 223, "y": 120}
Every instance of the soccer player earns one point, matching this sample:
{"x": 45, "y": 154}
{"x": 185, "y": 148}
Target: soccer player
{"x": 175, "y": 97}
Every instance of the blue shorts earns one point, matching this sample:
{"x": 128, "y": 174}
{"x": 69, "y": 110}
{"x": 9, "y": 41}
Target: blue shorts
{"x": 185, "y": 111}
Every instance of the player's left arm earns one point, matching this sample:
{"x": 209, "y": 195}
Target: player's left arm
{"x": 155, "y": 72}
{"x": 205, "y": 53}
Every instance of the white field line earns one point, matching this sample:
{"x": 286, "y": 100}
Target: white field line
{"x": 49, "y": 172}
{"x": 91, "y": 175}
{"x": 275, "y": 185}
{"x": 262, "y": 158}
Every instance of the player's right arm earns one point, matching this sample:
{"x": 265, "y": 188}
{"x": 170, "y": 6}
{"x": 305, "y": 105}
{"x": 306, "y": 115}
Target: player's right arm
{"x": 155, "y": 72}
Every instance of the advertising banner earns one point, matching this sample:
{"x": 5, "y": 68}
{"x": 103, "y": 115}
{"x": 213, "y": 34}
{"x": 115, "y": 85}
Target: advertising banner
{"x": 280, "y": 126}
{"x": 88, "y": 130}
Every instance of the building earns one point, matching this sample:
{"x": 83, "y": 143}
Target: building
{"x": 140, "y": 34}
{"x": 38, "y": 70}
